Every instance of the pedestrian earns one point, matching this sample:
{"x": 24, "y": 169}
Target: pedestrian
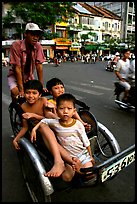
{"x": 25, "y": 55}
{"x": 70, "y": 133}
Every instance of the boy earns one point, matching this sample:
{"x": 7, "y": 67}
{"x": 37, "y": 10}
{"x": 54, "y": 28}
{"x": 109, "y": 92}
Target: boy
{"x": 56, "y": 87}
{"x": 70, "y": 133}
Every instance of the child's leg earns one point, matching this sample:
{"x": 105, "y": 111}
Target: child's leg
{"x": 73, "y": 161}
{"x": 57, "y": 151}
{"x": 51, "y": 143}
{"x": 68, "y": 174}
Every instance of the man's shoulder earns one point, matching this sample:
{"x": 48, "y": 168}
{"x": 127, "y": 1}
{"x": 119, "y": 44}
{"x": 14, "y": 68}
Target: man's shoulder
{"x": 38, "y": 45}
{"x": 17, "y": 44}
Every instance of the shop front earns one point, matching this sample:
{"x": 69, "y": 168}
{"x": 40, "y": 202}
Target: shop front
{"x": 75, "y": 48}
{"x": 48, "y": 48}
{"x": 62, "y": 46}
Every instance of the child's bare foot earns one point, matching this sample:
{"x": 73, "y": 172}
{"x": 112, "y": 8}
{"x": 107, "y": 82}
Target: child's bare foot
{"x": 56, "y": 170}
{"x": 76, "y": 164}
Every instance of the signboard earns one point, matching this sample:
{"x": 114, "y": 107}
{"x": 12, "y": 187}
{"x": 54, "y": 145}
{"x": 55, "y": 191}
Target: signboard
{"x": 61, "y": 48}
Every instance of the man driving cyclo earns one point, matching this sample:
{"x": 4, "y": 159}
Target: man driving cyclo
{"x": 25, "y": 55}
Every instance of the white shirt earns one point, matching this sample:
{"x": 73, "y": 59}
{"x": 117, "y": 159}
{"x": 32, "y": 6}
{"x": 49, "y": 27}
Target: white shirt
{"x": 72, "y": 137}
{"x": 132, "y": 69}
{"x": 123, "y": 68}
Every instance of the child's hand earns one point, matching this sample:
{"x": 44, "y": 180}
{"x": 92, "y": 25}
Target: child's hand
{"x": 87, "y": 126}
{"x": 50, "y": 105}
{"x": 33, "y": 136}
{"x": 16, "y": 145}
{"x": 28, "y": 115}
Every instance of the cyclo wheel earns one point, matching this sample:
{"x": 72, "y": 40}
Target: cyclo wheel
{"x": 106, "y": 145}
{"x": 15, "y": 112}
{"x": 38, "y": 185}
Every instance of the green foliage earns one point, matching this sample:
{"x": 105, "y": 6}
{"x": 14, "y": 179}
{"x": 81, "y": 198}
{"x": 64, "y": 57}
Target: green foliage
{"x": 41, "y": 13}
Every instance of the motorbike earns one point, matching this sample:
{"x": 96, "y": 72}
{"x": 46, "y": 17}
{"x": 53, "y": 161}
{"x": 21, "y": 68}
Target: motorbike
{"x": 119, "y": 93}
{"x": 110, "y": 66}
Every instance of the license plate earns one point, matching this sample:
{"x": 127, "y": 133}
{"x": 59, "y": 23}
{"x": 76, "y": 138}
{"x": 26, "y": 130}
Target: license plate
{"x": 113, "y": 169}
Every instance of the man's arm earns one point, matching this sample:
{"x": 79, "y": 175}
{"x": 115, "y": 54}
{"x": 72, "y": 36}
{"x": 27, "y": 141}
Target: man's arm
{"x": 39, "y": 68}
{"x": 19, "y": 78}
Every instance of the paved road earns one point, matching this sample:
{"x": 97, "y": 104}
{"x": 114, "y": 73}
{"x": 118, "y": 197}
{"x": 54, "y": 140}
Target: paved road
{"x": 93, "y": 85}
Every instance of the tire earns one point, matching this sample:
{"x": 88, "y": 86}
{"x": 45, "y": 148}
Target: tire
{"x": 15, "y": 117}
{"x": 32, "y": 170}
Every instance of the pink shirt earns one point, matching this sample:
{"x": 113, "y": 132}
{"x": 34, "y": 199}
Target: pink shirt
{"x": 18, "y": 54}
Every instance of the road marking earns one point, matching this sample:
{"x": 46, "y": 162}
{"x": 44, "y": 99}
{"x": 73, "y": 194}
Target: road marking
{"x": 92, "y": 85}
{"x": 83, "y": 90}
{"x": 6, "y": 99}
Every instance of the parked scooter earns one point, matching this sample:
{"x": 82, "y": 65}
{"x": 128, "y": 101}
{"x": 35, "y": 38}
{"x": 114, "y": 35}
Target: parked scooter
{"x": 119, "y": 92}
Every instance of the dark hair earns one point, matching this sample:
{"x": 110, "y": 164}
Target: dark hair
{"x": 34, "y": 84}
{"x": 125, "y": 50}
{"x": 66, "y": 97}
{"x": 53, "y": 82}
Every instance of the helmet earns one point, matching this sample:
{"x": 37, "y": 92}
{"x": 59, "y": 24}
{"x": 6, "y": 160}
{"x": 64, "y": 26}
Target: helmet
{"x": 117, "y": 54}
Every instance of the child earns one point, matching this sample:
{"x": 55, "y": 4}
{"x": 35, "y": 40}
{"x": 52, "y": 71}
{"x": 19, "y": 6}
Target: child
{"x": 34, "y": 107}
{"x": 70, "y": 133}
{"x": 56, "y": 87}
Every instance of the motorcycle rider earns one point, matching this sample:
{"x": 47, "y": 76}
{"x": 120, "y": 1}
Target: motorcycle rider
{"x": 122, "y": 71}
{"x": 116, "y": 58}
{"x": 131, "y": 74}
{"x": 112, "y": 62}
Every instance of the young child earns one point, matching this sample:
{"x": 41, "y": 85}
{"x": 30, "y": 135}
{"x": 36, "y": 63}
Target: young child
{"x": 70, "y": 133}
{"x": 34, "y": 107}
{"x": 56, "y": 87}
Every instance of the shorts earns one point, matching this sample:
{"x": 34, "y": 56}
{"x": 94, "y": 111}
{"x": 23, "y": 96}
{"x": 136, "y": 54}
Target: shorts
{"x": 125, "y": 84}
{"x": 84, "y": 157}
{"x": 12, "y": 82}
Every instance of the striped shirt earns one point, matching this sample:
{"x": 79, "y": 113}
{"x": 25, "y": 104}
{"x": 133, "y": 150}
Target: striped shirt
{"x": 72, "y": 137}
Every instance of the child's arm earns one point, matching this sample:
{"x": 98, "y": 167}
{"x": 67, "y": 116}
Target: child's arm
{"x": 20, "y": 134}
{"x": 33, "y": 132}
{"x": 28, "y": 115}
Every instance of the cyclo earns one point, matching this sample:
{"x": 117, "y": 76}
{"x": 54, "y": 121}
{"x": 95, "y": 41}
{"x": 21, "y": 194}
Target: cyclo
{"x": 35, "y": 159}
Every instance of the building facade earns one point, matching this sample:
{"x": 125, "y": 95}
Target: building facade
{"x": 100, "y": 23}
{"x": 126, "y": 10}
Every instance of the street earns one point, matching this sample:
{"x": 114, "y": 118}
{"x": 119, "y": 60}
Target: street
{"x": 92, "y": 84}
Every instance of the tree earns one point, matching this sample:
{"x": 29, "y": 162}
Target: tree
{"x": 42, "y": 13}
{"x": 87, "y": 36}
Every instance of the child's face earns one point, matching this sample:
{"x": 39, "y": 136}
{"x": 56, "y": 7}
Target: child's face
{"x": 32, "y": 95}
{"x": 65, "y": 110}
{"x": 57, "y": 90}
